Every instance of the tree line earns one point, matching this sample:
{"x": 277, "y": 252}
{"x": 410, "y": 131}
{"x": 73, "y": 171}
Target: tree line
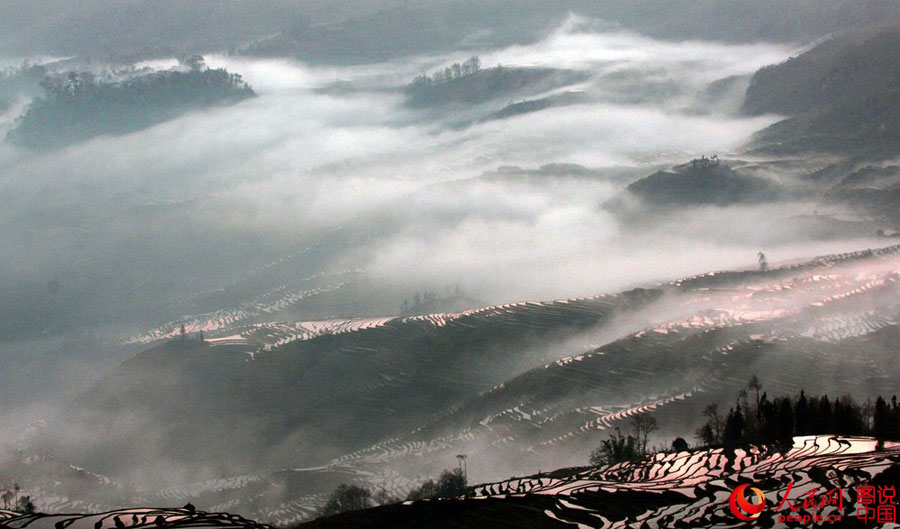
{"x": 469, "y": 67}
{"x": 450, "y": 484}
{"x": 757, "y": 419}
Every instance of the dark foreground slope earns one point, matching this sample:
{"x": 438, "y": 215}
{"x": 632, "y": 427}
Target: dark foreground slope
{"x": 140, "y": 517}
{"x": 689, "y": 489}
{"x": 683, "y": 489}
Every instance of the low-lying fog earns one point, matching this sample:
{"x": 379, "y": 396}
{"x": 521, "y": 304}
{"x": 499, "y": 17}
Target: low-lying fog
{"x": 117, "y": 234}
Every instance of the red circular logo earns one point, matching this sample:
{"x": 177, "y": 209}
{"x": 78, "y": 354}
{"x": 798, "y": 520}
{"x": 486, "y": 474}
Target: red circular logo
{"x": 739, "y": 504}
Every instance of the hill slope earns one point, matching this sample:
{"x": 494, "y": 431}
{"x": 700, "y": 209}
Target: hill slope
{"x": 842, "y": 96}
{"x": 387, "y": 402}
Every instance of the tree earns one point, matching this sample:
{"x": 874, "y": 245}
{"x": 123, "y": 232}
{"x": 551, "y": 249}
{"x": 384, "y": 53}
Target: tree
{"x": 755, "y": 386}
{"x": 785, "y": 427}
{"x": 451, "y": 484}
{"x": 714, "y": 421}
{"x": 25, "y": 505}
{"x": 472, "y": 65}
{"x": 679, "y": 444}
{"x": 801, "y": 413}
{"x": 880, "y": 419}
{"x": 347, "y": 498}
{"x": 427, "y": 490}
{"x": 768, "y": 413}
{"x": 824, "y": 416}
{"x": 734, "y": 428}
{"x": 6, "y": 497}
{"x": 868, "y": 409}
{"x": 195, "y": 63}
{"x": 383, "y": 497}
{"x": 643, "y": 426}
{"x": 617, "y": 449}
{"x": 705, "y": 435}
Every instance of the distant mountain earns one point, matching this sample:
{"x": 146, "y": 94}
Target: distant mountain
{"x": 843, "y": 96}
{"x": 413, "y": 28}
{"x": 138, "y": 29}
{"x": 355, "y": 31}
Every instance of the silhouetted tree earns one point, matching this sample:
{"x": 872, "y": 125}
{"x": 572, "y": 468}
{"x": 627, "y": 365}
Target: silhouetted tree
{"x": 383, "y": 497}
{"x": 643, "y": 426}
{"x": 880, "y": 419}
{"x": 785, "y": 417}
{"x": 452, "y": 483}
{"x": 616, "y": 449}
{"x": 754, "y": 385}
{"x": 679, "y": 444}
{"x": 824, "y": 415}
{"x": 25, "y": 505}
{"x": 425, "y": 491}
{"x": 801, "y": 412}
{"x": 713, "y": 432}
{"x": 733, "y": 434}
{"x": 784, "y": 429}
{"x": 347, "y": 498}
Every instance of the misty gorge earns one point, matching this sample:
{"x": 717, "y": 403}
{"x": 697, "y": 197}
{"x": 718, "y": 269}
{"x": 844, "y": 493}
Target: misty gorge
{"x": 449, "y": 263}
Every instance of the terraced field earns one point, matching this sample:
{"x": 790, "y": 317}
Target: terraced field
{"x": 679, "y": 489}
{"x": 129, "y": 518}
{"x": 388, "y": 402}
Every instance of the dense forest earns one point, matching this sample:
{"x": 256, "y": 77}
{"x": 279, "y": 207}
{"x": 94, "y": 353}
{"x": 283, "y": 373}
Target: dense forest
{"x": 77, "y": 106}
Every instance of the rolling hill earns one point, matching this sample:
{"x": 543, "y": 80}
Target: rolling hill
{"x": 841, "y": 96}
